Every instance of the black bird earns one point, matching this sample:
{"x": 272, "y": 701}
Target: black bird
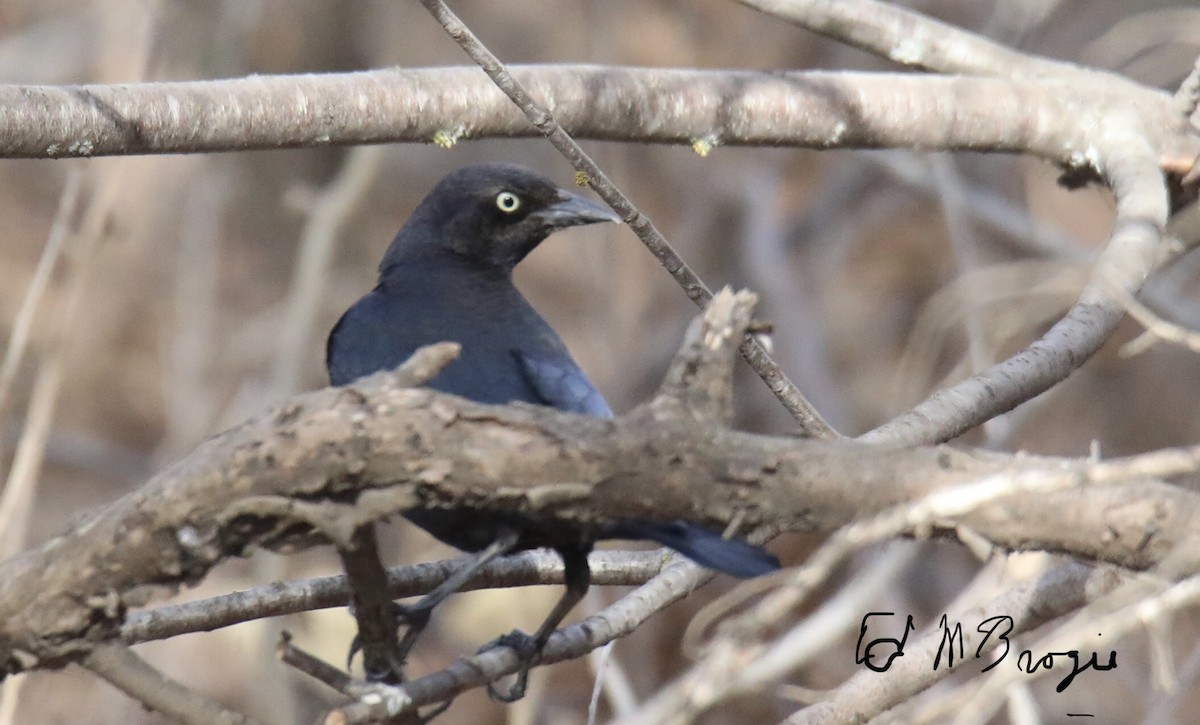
{"x": 447, "y": 276}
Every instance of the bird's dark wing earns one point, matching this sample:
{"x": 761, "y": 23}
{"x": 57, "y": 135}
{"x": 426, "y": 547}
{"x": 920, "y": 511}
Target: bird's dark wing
{"x": 369, "y": 337}
{"x": 339, "y": 374}
{"x": 561, "y": 384}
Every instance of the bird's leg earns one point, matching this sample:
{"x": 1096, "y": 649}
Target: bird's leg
{"x": 416, "y": 616}
{"x": 578, "y": 577}
{"x": 373, "y": 608}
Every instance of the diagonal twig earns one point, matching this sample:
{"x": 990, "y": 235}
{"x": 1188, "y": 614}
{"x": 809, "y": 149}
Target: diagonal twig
{"x": 22, "y": 326}
{"x": 917, "y": 41}
{"x": 1134, "y": 250}
{"x": 1187, "y": 98}
{"x": 132, "y": 675}
{"x": 811, "y": 422}
{"x": 335, "y": 204}
{"x": 613, "y": 622}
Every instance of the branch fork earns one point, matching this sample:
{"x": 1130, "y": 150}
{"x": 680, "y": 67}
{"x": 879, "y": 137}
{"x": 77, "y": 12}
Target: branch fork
{"x": 699, "y": 383}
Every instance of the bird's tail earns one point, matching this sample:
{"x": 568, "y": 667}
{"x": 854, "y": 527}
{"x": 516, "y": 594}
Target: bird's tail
{"x": 706, "y": 548}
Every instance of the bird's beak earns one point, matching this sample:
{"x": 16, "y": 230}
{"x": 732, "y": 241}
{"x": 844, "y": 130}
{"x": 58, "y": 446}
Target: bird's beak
{"x": 572, "y": 211}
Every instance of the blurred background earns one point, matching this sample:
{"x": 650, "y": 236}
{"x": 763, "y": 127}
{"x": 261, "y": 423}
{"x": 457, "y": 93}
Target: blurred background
{"x": 176, "y": 309}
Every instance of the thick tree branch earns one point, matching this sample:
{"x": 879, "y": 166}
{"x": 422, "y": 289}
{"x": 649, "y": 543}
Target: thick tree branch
{"x": 1071, "y": 123}
{"x": 332, "y": 463}
{"x": 444, "y": 105}
{"x": 337, "y": 458}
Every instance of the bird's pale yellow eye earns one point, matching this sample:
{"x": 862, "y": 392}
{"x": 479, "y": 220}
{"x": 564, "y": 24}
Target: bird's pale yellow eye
{"x": 508, "y": 202}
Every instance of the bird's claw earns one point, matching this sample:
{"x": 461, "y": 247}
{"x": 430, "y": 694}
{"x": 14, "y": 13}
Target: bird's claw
{"x": 525, "y": 645}
{"x": 415, "y": 619}
{"x": 516, "y": 692}
{"x": 528, "y": 652}
{"x": 394, "y": 671}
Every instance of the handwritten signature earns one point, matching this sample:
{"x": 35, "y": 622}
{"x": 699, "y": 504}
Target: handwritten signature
{"x": 878, "y": 653}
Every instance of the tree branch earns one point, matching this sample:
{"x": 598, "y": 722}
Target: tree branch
{"x": 918, "y": 41}
{"x": 1134, "y": 250}
{"x": 445, "y": 105}
{"x": 129, "y": 673}
{"x": 335, "y": 459}
{"x": 613, "y": 622}
{"x": 529, "y": 568}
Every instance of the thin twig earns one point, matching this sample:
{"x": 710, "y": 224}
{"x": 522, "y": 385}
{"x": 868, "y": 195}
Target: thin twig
{"x": 132, "y": 675}
{"x": 1029, "y": 604}
{"x": 985, "y": 207}
{"x": 189, "y": 404}
{"x": 21, "y": 485}
{"x": 19, "y": 493}
{"x": 530, "y": 568}
{"x": 798, "y": 334}
{"x": 335, "y": 204}
{"x": 611, "y": 677}
{"x": 729, "y": 667}
{"x": 811, "y": 422}
{"x": 314, "y": 667}
{"x": 18, "y": 341}
{"x": 615, "y": 621}
{"x": 10, "y": 699}
{"x": 20, "y": 488}
{"x": 1134, "y": 250}
{"x": 917, "y": 41}
{"x": 1156, "y": 328}
{"x": 967, "y": 258}
{"x": 1187, "y": 97}
{"x": 1088, "y": 629}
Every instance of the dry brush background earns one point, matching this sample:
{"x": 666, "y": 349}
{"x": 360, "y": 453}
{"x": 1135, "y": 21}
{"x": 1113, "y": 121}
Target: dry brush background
{"x": 885, "y": 273}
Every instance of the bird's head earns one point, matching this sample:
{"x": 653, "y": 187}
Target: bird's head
{"x": 491, "y": 215}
